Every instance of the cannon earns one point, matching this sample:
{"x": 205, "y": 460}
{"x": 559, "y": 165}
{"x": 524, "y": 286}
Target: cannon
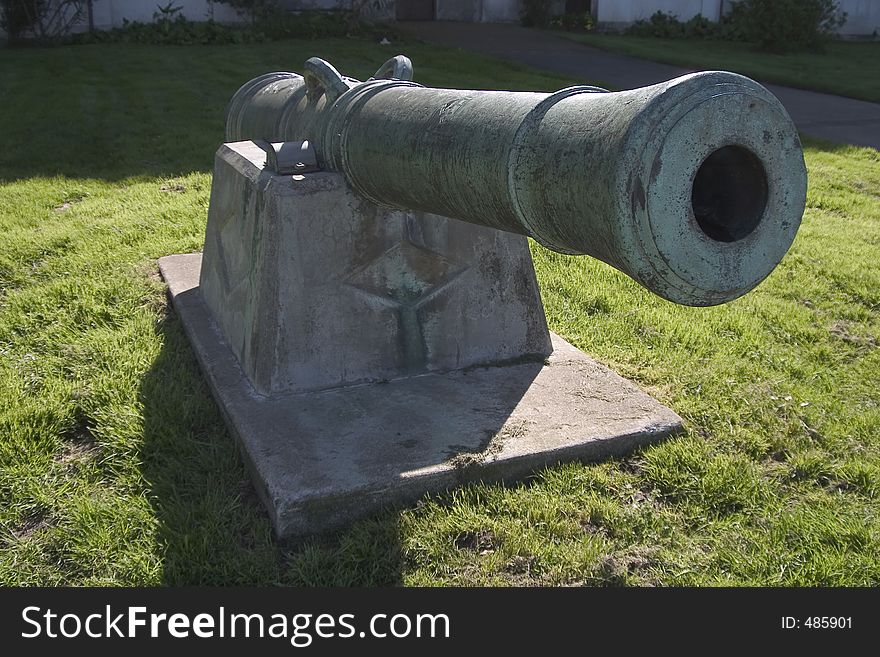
{"x": 694, "y": 187}
{"x": 366, "y": 309}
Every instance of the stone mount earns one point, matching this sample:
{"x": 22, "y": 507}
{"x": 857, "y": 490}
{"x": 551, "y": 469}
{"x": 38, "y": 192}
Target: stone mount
{"x": 363, "y": 357}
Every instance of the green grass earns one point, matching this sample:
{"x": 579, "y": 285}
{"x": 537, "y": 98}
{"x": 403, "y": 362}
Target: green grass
{"x": 847, "y": 69}
{"x": 116, "y": 467}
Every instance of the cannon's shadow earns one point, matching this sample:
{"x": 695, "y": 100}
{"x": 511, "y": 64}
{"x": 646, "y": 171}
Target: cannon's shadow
{"x": 120, "y": 112}
{"x": 211, "y": 526}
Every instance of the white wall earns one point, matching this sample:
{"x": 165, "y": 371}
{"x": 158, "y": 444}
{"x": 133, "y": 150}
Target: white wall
{"x": 500, "y": 11}
{"x": 627, "y": 11}
{"x": 863, "y": 17}
{"x": 485, "y": 11}
{"x": 477, "y": 11}
{"x": 110, "y": 13}
{"x": 457, "y": 10}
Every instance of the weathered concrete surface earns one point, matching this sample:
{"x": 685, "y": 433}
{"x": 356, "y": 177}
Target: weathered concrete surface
{"x": 315, "y": 287}
{"x": 826, "y": 116}
{"x": 322, "y": 459}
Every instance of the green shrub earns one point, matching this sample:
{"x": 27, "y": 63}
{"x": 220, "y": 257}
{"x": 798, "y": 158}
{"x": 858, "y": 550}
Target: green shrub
{"x": 176, "y": 31}
{"x": 667, "y": 26}
{"x": 577, "y": 22}
{"x": 661, "y": 24}
{"x": 788, "y": 25}
{"x": 169, "y": 27}
{"x": 700, "y": 27}
{"x": 536, "y": 13}
{"x": 312, "y": 25}
{"x": 774, "y": 25}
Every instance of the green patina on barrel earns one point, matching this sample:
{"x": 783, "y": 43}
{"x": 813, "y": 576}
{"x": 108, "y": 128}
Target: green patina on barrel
{"x": 694, "y": 187}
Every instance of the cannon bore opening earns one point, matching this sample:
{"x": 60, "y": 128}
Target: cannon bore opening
{"x": 729, "y": 194}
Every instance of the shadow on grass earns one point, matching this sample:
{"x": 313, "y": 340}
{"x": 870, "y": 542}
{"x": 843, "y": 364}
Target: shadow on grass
{"x": 213, "y": 529}
{"x": 119, "y": 111}
{"x": 112, "y": 112}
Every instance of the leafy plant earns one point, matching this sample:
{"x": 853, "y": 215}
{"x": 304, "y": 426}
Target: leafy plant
{"x": 536, "y": 13}
{"x": 667, "y": 26}
{"x": 661, "y": 24}
{"x": 166, "y": 16}
{"x": 170, "y": 27}
{"x": 788, "y": 25}
{"x": 575, "y": 22}
{"x": 774, "y": 25}
{"x": 700, "y": 27}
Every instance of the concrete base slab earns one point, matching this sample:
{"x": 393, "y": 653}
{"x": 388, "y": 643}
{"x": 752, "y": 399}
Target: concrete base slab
{"x": 320, "y": 460}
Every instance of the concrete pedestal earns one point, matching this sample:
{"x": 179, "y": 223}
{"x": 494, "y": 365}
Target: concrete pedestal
{"x": 315, "y": 287}
{"x": 364, "y": 357}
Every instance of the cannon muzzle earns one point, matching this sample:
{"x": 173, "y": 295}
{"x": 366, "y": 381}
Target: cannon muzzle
{"x": 694, "y": 187}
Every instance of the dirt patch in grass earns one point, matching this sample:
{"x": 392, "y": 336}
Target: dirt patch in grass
{"x": 79, "y": 443}
{"x": 155, "y": 300}
{"x": 81, "y": 430}
{"x": 466, "y": 459}
{"x": 483, "y": 541}
{"x": 32, "y": 524}
{"x": 634, "y": 465}
{"x": 77, "y": 452}
{"x": 149, "y": 270}
{"x": 843, "y": 330}
{"x": 522, "y": 565}
{"x": 590, "y": 527}
{"x": 617, "y": 569}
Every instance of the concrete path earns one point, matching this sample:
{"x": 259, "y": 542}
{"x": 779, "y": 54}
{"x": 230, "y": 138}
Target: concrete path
{"x": 835, "y": 118}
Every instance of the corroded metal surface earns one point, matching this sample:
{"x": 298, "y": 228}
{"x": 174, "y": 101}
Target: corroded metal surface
{"x": 694, "y": 187}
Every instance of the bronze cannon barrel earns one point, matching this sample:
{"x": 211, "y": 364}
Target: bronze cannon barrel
{"x": 694, "y": 187}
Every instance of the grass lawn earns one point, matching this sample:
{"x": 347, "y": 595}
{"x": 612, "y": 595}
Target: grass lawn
{"x": 847, "y": 69}
{"x": 116, "y": 467}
